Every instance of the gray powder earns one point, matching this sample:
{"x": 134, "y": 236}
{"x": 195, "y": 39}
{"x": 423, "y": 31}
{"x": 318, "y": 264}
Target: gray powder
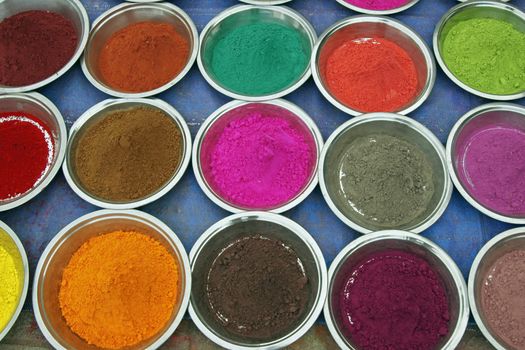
{"x": 387, "y": 181}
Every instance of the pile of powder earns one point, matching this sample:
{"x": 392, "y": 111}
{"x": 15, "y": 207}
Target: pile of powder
{"x": 128, "y": 154}
{"x": 34, "y": 45}
{"x": 260, "y": 161}
{"x": 487, "y": 54}
{"x": 26, "y": 153}
{"x": 492, "y": 167}
{"x": 393, "y": 300}
{"x": 257, "y": 288}
{"x": 372, "y": 75}
{"x": 119, "y": 289}
{"x": 11, "y": 279}
{"x": 378, "y": 5}
{"x": 386, "y": 181}
{"x": 259, "y": 58}
{"x": 143, "y": 56}
{"x": 503, "y": 298}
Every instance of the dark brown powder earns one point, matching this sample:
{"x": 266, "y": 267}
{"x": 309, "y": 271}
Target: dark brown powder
{"x": 257, "y": 288}
{"x": 128, "y": 154}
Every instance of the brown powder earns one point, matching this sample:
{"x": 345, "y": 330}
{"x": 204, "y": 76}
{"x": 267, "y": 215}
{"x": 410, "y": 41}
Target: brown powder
{"x": 128, "y": 154}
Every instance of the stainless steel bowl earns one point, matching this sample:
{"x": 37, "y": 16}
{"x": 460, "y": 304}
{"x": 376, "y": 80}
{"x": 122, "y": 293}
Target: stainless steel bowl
{"x": 275, "y": 226}
{"x": 480, "y": 117}
{"x": 246, "y": 14}
{"x": 218, "y": 120}
{"x": 394, "y": 125}
{"x": 378, "y": 12}
{"x": 59, "y": 251}
{"x": 71, "y": 9}
{"x": 265, "y": 2}
{"x": 100, "y": 110}
{"x": 385, "y": 240}
{"x": 8, "y": 238}
{"x": 469, "y": 10}
{"x": 42, "y": 108}
{"x": 498, "y": 246}
{"x": 371, "y": 26}
{"x": 124, "y": 15}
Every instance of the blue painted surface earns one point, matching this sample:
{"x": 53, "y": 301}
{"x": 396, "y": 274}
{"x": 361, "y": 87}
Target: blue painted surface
{"x": 461, "y": 231}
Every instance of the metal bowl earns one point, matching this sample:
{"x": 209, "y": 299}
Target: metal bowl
{"x": 371, "y": 26}
{"x": 59, "y": 251}
{"x": 42, "y": 108}
{"x": 246, "y": 14}
{"x": 218, "y": 120}
{"x": 385, "y": 240}
{"x": 100, "y": 110}
{"x": 228, "y": 230}
{"x": 498, "y": 246}
{"x": 265, "y": 2}
{"x": 71, "y": 9}
{"x": 9, "y": 238}
{"x": 394, "y": 125}
{"x": 482, "y": 116}
{"x": 469, "y": 10}
{"x": 120, "y": 17}
{"x": 378, "y": 12}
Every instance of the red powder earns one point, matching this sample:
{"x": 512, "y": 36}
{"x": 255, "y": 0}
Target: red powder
{"x": 26, "y": 153}
{"x": 394, "y": 300}
{"x": 372, "y": 75}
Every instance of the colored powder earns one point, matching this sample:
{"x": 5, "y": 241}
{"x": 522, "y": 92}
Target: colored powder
{"x": 27, "y": 153}
{"x": 372, "y": 75}
{"x": 143, "y": 56}
{"x": 378, "y": 5}
{"x": 386, "y": 181}
{"x": 393, "y": 300}
{"x": 487, "y": 54}
{"x": 503, "y": 298}
{"x": 119, "y": 289}
{"x": 260, "y": 161}
{"x": 34, "y": 45}
{"x": 259, "y": 58}
{"x": 257, "y": 288}
{"x": 11, "y": 279}
{"x": 492, "y": 167}
{"x": 128, "y": 154}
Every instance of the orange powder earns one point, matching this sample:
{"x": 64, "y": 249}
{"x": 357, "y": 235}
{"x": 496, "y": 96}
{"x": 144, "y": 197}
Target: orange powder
{"x": 119, "y": 289}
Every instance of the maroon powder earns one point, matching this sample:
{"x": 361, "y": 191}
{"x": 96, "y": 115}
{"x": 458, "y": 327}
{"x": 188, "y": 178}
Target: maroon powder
{"x": 393, "y": 300}
{"x": 34, "y": 45}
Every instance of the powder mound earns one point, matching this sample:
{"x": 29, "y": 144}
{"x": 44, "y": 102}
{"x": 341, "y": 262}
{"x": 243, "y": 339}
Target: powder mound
{"x": 394, "y": 300}
{"x": 372, "y": 75}
{"x": 261, "y": 161}
{"x": 257, "y": 288}
{"x": 378, "y": 4}
{"x": 34, "y": 45}
{"x": 119, "y": 289}
{"x": 10, "y": 282}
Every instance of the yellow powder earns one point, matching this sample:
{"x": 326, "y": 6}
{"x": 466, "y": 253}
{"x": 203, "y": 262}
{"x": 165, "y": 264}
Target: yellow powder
{"x": 11, "y": 280}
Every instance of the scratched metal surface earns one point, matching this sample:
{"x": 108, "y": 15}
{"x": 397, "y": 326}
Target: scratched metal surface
{"x": 461, "y": 231}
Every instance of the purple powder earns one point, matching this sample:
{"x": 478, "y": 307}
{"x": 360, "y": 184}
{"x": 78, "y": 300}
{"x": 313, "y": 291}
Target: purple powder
{"x": 492, "y": 167}
{"x": 378, "y": 4}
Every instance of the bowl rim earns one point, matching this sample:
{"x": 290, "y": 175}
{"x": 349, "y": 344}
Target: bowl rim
{"x": 390, "y": 118}
{"x": 283, "y": 10}
{"x": 39, "y": 99}
{"x": 232, "y": 105}
{"x": 129, "y": 215}
{"x": 97, "y": 111}
{"x": 504, "y": 6}
{"x": 265, "y": 2}
{"x": 392, "y": 23}
{"x": 294, "y": 228}
{"x": 130, "y": 6}
{"x": 83, "y": 38}
{"x": 472, "y": 278}
{"x": 356, "y": 8}
{"x": 25, "y": 264}
{"x": 411, "y": 238}
{"x": 451, "y": 141}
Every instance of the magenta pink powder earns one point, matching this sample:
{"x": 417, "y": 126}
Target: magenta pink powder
{"x": 378, "y": 4}
{"x": 260, "y": 159}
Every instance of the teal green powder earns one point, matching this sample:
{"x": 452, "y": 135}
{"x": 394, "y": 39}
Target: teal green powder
{"x": 259, "y": 58}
